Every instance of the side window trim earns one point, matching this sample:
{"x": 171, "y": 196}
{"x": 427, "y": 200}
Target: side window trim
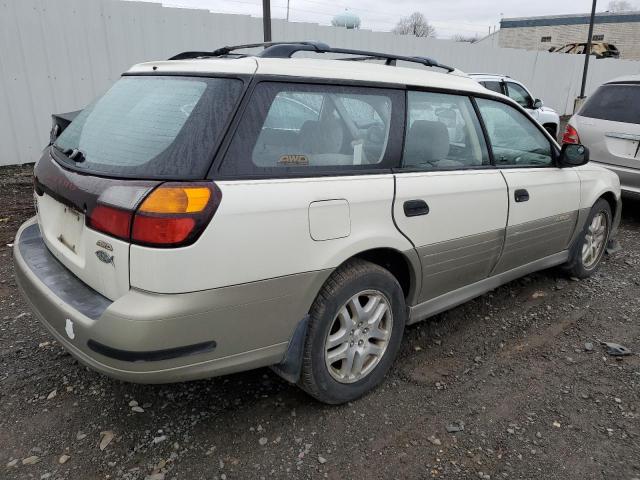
{"x": 555, "y": 151}
{"x": 485, "y": 132}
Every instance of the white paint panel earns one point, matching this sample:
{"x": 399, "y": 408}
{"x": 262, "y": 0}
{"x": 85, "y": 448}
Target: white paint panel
{"x": 75, "y": 246}
{"x": 461, "y": 204}
{"x": 552, "y": 191}
{"x": 58, "y": 55}
{"x": 261, "y": 230}
{"x": 594, "y": 181}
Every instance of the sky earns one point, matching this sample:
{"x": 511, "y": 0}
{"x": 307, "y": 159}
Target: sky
{"x": 450, "y": 17}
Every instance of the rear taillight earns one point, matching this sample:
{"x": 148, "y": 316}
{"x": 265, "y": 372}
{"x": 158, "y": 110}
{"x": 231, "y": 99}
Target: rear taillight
{"x": 161, "y": 231}
{"x": 112, "y": 221}
{"x": 570, "y": 135}
{"x": 172, "y": 215}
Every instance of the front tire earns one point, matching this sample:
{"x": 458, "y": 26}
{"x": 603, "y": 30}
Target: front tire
{"x": 590, "y": 246}
{"x": 355, "y": 330}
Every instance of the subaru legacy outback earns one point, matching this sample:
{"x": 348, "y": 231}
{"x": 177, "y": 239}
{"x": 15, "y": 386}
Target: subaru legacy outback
{"x": 221, "y": 211}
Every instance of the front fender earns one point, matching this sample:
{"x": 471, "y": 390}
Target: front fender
{"x": 548, "y": 116}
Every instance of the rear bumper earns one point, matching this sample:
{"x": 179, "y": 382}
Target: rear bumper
{"x": 150, "y": 338}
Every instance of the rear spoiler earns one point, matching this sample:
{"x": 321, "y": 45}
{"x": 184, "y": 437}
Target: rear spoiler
{"x": 60, "y": 121}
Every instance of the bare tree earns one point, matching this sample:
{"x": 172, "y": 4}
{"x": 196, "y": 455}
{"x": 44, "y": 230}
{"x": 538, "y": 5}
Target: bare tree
{"x": 620, "y": 6}
{"x": 415, "y": 24}
{"x": 466, "y": 38}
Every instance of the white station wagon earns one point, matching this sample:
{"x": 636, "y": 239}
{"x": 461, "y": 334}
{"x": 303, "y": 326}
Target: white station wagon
{"x": 220, "y": 211}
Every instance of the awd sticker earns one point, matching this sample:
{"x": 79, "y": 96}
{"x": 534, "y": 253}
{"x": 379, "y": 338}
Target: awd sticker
{"x": 292, "y": 160}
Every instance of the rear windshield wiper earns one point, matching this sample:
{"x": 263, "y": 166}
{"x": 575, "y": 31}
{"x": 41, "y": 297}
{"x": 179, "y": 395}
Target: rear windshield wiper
{"x": 71, "y": 153}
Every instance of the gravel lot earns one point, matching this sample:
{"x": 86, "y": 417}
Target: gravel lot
{"x": 511, "y": 368}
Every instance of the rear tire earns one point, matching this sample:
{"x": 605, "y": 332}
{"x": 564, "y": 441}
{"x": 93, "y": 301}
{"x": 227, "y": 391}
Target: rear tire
{"x": 355, "y": 331}
{"x": 586, "y": 254}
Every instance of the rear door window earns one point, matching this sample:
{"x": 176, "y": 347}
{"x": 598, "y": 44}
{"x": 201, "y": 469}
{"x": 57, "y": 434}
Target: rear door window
{"x": 615, "y": 102}
{"x": 304, "y": 128}
{"x": 443, "y": 132}
{"x": 152, "y": 127}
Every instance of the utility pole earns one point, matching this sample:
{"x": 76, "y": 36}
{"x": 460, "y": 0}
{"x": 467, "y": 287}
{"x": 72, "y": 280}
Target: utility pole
{"x": 587, "y": 51}
{"x": 266, "y": 19}
{"x": 287, "y": 10}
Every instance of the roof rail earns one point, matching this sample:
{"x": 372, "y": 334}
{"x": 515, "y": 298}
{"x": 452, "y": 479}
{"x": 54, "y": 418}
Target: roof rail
{"x": 489, "y": 74}
{"x": 222, "y": 51}
{"x": 287, "y": 49}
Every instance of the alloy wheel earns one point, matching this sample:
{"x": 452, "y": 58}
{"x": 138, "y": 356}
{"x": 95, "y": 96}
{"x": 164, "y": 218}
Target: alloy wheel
{"x": 359, "y": 336}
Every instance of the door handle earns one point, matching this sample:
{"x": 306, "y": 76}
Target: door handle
{"x": 521, "y": 195}
{"x": 414, "y": 208}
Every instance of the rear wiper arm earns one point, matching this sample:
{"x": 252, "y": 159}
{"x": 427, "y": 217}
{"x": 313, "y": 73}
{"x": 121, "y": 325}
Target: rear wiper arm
{"x": 71, "y": 153}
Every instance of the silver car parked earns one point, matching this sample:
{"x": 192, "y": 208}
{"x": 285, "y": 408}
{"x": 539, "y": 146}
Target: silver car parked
{"x": 609, "y": 124}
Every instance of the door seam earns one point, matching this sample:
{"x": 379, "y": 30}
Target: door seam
{"x": 506, "y": 226}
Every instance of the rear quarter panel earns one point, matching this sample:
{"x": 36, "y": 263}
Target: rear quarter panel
{"x": 261, "y": 230}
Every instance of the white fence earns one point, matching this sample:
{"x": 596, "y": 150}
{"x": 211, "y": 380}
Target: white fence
{"x": 57, "y": 55}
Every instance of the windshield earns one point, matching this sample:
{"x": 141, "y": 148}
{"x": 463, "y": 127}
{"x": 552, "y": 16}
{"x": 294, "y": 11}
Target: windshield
{"x": 151, "y": 127}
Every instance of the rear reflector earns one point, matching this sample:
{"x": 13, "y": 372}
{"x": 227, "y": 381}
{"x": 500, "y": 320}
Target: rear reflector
{"x": 570, "y": 135}
{"x": 112, "y": 221}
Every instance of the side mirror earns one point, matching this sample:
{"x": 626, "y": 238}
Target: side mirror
{"x": 573, "y": 155}
{"x": 537, "y": 103}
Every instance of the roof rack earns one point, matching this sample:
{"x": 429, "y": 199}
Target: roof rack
{"x": 287, "y": 49}
{"x": 489, "y": 74}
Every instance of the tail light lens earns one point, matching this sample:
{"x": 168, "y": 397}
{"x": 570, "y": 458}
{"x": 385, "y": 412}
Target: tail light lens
{"x": 172, "y": 215}
{"x": 570, "y": 135}
{"x": 112, "y": 221}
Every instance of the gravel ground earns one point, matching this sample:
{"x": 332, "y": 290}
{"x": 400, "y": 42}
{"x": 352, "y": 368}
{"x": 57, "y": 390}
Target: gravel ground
{"x": 519, "y": 371}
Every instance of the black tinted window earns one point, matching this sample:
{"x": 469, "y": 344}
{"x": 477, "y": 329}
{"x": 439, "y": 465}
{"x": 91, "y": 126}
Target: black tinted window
{"x": 618, "y": 103}
{"x": 495, "y": 86}
{"x": 303, "y": 128}
{"x": 153, "y": 127}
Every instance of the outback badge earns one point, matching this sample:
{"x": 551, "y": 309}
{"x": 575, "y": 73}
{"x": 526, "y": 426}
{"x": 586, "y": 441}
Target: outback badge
{"x": 105, "y": 245}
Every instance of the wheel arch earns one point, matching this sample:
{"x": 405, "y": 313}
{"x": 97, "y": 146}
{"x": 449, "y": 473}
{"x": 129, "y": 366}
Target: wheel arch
{"x": 404, "y": 266}
{"x": 611, "y": 199}
{"x": 549, "y": 126}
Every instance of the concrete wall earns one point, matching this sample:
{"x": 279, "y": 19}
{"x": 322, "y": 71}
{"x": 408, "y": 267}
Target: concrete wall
{"x": 58, "y": 55}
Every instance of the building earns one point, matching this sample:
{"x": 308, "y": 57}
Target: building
{"x": 541, "y": 33}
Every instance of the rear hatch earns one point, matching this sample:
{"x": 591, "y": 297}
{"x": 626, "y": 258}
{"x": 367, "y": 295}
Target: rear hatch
{"x": 609, "y": 124}
{"x": 131, "y": 168}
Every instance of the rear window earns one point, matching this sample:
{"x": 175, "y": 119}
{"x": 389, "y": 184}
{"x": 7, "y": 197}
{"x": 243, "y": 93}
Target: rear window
{"x": 152, "y": 127}
{"x": 618, "y": 103}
